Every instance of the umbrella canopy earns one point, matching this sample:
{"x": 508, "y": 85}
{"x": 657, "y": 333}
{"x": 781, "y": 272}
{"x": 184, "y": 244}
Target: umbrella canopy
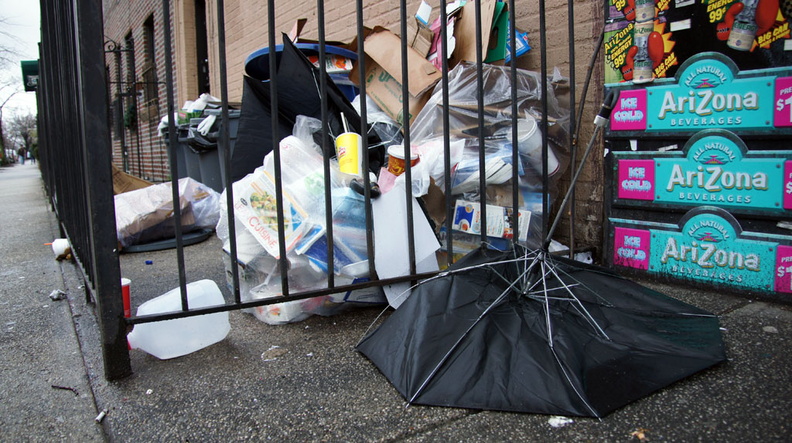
{"x": 525, "y": 331}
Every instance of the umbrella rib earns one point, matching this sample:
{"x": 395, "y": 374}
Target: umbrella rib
{"x": 585, "y": 286}
{"x": 586, "y": 314}
{"x": 442, "y": 361}
{"x": 574, "y": 388}
{"x": 441, "y": 275}
{"x": 547, "y": 308}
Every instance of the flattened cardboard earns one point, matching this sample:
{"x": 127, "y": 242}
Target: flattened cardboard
{"x": 384, "y": 47}
{"x": 465, "y": 31}
{"x": 383, "y": 74}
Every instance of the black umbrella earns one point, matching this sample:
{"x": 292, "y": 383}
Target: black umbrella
{"x": 528, "y": 332}
{"x": 298, "y": 82}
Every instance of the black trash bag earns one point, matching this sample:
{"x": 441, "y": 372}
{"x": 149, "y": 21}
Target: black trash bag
{"x": 298, "y": 94}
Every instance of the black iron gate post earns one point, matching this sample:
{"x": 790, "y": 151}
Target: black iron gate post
{"x": 76, "y": 147}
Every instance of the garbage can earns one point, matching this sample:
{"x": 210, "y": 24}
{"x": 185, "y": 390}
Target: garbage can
{"x": 181, "y": 150}
{"x": 192, "y": 163}
{"x": 257, "y": 64}
{"x": 205, "y": 147}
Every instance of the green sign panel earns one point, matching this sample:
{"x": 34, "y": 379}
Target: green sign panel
{"x": 707, "y": 246}
{"x": 30, "y": 75}
{"x": 714, "y": 168}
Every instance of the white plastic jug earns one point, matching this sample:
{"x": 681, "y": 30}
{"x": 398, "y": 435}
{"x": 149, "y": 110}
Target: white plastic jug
{"x": 174, "y": 338}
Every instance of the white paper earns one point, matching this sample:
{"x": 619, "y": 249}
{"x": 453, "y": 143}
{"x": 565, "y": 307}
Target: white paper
{"x": 392, "y": 257}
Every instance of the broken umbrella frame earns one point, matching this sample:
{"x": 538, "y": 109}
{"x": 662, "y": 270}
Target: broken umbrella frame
{"x": 526, "y": 331}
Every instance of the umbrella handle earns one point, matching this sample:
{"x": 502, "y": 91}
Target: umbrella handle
{"x": 600, "y": 121}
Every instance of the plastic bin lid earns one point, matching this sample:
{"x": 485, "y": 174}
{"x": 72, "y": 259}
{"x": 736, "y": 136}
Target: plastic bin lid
{"x": 232, "y": 113}
{"x": 257, "y": 63}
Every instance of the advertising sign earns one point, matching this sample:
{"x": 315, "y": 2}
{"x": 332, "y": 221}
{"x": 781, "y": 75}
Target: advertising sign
{"x": 707, "y": 246}
{"x": 714, "y": 168}
{"x": 755, "y": 34}
{"x": 708, "y": 92}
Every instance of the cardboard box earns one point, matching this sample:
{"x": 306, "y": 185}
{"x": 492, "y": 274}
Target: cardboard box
{"x": 419, "y": 36}
{"x": 494, "y": 32}
{"x": 384, "y": 75}
{"x": 123, "y": 182}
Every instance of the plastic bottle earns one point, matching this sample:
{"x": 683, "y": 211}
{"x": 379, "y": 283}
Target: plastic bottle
{"x": 182, "y": 336}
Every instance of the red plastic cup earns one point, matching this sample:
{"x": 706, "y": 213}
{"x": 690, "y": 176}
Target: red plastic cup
{"x": 125, "y": 282}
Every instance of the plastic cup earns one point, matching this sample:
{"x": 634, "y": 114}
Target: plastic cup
{"x": 348, "y": 148}
{"x": 529, "y": 143}
{"x": 125, "y": 282}
{"x": 396, "y": 163}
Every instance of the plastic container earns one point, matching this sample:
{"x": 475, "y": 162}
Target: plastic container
{"x": 396, "y": 163}
{"x": 529, "y": 143}
{"x": 182, "y": 336}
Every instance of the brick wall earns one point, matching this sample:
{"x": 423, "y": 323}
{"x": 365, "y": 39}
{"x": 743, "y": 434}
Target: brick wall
{"x": 147, "y": 156}
{"x": 246, "y": 31}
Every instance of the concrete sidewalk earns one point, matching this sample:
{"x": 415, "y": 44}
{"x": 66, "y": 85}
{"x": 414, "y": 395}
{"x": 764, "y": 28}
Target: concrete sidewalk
{"x": 305, "y": 381}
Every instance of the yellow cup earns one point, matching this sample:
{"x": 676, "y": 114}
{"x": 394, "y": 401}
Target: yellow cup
{"x": 348, "y": 151}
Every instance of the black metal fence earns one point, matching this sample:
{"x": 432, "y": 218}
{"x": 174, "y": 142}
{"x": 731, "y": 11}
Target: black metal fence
{"x": 76, "y": 156}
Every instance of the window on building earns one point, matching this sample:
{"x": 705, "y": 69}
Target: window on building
{"x": 201, "y": 46}
{"x": 149, "y": 73}
{"x": 129, "y": 104}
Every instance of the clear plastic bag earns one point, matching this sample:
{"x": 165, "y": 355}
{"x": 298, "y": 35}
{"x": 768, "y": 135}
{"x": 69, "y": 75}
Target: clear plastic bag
{"x": 497, "y": 106}
{"x": 146, "y": 214}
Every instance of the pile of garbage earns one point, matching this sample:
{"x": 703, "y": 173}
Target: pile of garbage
{"x": 304, "y": 234}
{"x": 302, "y": 150}
{"x": 304, "y": 144}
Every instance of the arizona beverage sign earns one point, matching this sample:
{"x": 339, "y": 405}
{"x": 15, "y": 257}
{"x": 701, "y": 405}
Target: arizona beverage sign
{"x": 714, "y": 168}
{"x": 707, "y": 92}
{"x": 707, "y": 246}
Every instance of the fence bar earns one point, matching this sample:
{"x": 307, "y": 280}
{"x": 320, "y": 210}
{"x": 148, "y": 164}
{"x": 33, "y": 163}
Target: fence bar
{"x": 572, "y": 120}
{"x": 408, "y": 194}
{"x": 225, "y": 150}
{"x": 545, "y": 125}
{"x": 172, "y": 154}
{"x": 283, "y": 261}
{"x": 361, "y": 56}
{"x": 449, "y": 202}
{"x": 515, "y": 216}
{"x": 480, "y": 109}
{"x": 320, "y": 18}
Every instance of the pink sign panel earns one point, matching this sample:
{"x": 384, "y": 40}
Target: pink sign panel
{"x": 636, "y": 179}
{"x": 629, "y": 114}
{"x": 787, "y": 185}
{"x": 783, "y": 102}
{"x": 783, "y": 276}
{"x": 631, "y": 248}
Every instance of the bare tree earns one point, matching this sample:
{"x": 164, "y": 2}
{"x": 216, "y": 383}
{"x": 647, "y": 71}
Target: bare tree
{"x": 23, "y": 131}
{"x": 9, "y": 55}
